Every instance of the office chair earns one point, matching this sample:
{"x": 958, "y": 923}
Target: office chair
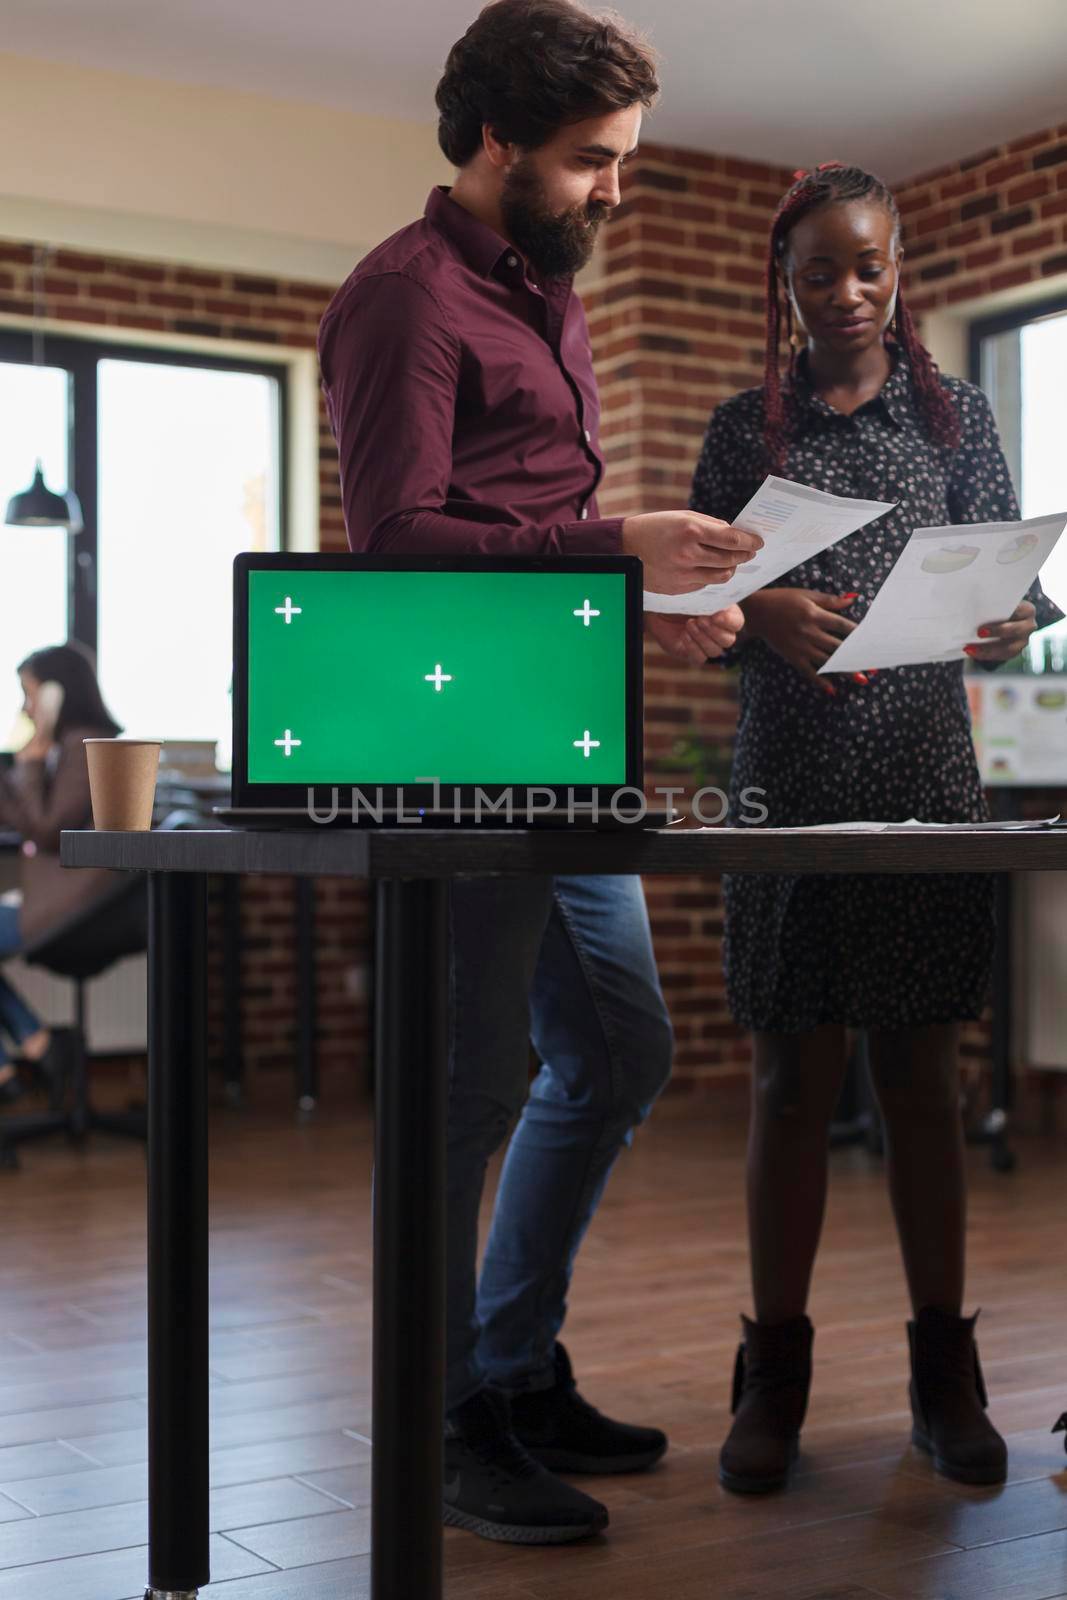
{"x": 82, "y": 947}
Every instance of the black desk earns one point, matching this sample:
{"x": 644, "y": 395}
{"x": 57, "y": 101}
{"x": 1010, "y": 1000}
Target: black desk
{"x": 413, "y": 867}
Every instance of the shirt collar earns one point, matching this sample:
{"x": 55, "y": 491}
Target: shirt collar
{"x": 479, "y": 246}
{"x": 894, "y": 397}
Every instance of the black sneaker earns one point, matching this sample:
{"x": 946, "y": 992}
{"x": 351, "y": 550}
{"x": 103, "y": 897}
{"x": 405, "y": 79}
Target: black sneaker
{"x": 566, "y": 1434}
{"x": 493, "y": 1488}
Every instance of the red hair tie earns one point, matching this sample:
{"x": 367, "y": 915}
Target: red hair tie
{"x": 824, "y": 166}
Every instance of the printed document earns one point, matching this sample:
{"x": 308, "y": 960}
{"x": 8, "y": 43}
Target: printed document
{"x": 946, "y": 583}
{"x": 795, "y": 523}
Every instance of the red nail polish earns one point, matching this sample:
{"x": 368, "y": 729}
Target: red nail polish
{"x": 984, "y": 633}
{"x": 851, "y": 596}
{"x": 970, "y": 649}
{"x": 830, "y": 688}
{"x": 859, "y": 677}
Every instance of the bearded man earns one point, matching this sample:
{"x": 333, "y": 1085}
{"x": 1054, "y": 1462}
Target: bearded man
{"x": 459, "y": 382}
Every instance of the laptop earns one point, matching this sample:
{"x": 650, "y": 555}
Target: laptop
{"x": 377, "y": 691}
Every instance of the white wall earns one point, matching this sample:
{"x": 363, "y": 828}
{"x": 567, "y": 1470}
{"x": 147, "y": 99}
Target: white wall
{"x": 140, "y": 166}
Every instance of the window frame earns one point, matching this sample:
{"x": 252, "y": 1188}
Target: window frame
{"x": 80, "y": 357}
{"x": 1015, "y": 317}
{"x": 1005, "y": 322}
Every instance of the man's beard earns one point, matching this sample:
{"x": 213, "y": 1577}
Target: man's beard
{"x": 557, "y": 244}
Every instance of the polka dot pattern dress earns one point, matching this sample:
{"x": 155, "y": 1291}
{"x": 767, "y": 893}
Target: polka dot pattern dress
{"x": 871, "y": 951}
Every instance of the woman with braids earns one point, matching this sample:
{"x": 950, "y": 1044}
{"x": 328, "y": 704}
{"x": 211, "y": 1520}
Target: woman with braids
{"x": 863, "y": 411}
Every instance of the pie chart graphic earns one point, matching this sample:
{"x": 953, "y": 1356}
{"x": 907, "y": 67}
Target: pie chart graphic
{"x": 952, "y": 558}
{"x": 1016, "y": 549}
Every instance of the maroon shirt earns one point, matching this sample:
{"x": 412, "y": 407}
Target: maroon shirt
{"x": 463, "y": 400}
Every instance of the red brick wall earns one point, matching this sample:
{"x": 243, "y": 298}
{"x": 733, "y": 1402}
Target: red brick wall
{"x": 994, "y": 221}
{"x": 677, "y": 322}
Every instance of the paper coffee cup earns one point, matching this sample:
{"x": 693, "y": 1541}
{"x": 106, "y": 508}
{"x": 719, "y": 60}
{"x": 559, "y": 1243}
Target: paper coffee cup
{"x": 122, "y": 782}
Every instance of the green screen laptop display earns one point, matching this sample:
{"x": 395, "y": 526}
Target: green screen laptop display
{"x": 362, "y": 676}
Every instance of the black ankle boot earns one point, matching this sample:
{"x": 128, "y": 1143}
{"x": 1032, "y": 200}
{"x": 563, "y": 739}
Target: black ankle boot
{"x": 948, "y": 1399}
{"x": 772, "y": 1379}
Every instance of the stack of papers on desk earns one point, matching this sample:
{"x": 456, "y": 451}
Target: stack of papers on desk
{"x": 911, "y": 826}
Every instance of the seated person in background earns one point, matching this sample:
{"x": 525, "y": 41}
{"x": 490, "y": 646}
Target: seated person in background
{"x": 47, "y": 791}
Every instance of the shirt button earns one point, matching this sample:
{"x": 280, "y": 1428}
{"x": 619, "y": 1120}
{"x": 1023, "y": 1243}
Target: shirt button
{"x": 588, "y": 437}
{"x": 513, "y": 261}
{"x": 585, "y": 513}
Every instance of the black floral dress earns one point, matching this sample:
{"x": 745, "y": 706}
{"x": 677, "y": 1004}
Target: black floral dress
{"x": 874, "y": 951}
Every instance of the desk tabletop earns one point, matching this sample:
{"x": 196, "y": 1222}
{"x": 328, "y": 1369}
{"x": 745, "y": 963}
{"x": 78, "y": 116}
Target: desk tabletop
{"x": 420, "y": 852}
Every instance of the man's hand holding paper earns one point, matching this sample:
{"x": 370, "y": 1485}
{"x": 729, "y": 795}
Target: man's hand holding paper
{"x": 684, "y": 551}
{"x": 793, "y": 523}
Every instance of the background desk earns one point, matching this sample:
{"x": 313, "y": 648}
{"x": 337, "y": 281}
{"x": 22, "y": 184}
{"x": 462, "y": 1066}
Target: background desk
{"x": 413, "y": 867}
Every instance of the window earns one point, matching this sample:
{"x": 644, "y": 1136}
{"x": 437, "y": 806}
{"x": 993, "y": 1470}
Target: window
{"x": 1019, "y": 360}
{"x": 33, "y": 561}
{"x": 179, "y": 464}
{"x": 187, "y": 479}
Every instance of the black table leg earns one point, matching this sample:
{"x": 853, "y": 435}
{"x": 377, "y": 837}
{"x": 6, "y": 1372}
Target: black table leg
{"x": 307, "y": 1086}
{"x": 993, "y": 1130}
{"x": 177, "y": 1236}
{"x": 233, "y": 1066}
{"x": 409, "y": 1240}
{"x": 996, "y": 1125}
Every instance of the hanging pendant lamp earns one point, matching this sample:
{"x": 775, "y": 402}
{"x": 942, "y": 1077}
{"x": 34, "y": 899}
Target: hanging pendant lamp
{"x": 39, "y": 506}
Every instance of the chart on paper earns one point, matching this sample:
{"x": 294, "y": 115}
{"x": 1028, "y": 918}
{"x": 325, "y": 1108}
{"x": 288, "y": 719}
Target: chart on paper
{"x": 947, "y": 582}
{"x": 795, "y": 523}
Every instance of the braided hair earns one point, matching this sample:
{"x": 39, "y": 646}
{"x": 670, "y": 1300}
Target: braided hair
{"x": 834, "y": 183}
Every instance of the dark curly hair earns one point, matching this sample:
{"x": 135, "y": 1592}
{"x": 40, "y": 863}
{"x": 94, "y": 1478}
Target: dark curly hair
{"x": 529, "y": 67}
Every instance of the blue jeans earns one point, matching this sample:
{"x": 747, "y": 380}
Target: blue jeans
{"x": 568, "y": 964}
{"x": 16, "y": 1018}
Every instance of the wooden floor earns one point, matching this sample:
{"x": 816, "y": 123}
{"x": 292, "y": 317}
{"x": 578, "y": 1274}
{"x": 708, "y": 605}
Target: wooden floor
{"x": 653, "y": 1331}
